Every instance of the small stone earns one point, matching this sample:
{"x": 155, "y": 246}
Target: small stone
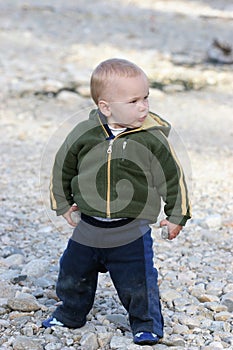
{"x": 227, "y": 300}
{"x": 118, "y": 342}
{"x": 3, "y": 309}
{"x": 69, "y": 341}
{"x": 169, "y": 295}
{"x": 213, "y": 221}
{"x": 220, "y": 326}
{"x": 181, "y": 304}
{"x": 45, "y": 229}
{"x": 190, "y": 322}
{"x": 16, "y": 314}
{"x": 207, "y": 298}
{"x": 215, "y": 306}
{"x": 38, "y": 293}
{"x": 174, "y": 340}
{"x": 87, "y": 328}
{"x": 104, "y": 337}
{"x": 89, "y": 341}
{"x": 18, "y": 278}
{"x": 206, "y": 323}
{"x": 215, "y": 288}
{"x": 228, "y": 288}
{"x": 7, "y": 251}
{"x": 138, "y": 347}
{"x": 192, "y": 309}
{"x": 222, "y": 316}
{"x": 44, "y": 282}
{"x": 187, "y": 278}
{"x": 4, "y": 323}
{"x": 6, "y": 290}
{"x": 9, "y": 274}
{"x": 53, "y": 346}
{"x": 119, "y": 320}
{"x": 197, "y": 290}
{"x": 27, "y": 330}
{"x": 27, "y": 343}
{"x": 51, "y": 294}
{"x": 215, "y": 345}
{"x": 180, "y": 329}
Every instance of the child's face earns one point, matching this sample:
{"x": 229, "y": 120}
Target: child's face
{"x": 127, "y": 104}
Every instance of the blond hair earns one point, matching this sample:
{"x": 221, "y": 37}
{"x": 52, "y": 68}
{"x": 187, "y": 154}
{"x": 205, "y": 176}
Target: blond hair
{"x": 103, "y": 75}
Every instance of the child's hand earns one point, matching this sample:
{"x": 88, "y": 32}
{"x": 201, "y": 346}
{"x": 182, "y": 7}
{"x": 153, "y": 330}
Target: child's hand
{"x": 173, "y": 229}
{"x": 68, "y": 215}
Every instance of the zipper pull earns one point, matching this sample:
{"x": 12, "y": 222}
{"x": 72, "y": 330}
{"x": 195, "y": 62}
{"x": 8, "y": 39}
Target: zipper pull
{"x": 109, "y": 150}
{"x": 123, "y": 150}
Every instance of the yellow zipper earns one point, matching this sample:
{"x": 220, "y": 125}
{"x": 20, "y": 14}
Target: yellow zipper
{"x": 109, "y": 152}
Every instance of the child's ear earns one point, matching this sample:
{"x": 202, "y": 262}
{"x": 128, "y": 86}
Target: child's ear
{"x": 104, "y": 108}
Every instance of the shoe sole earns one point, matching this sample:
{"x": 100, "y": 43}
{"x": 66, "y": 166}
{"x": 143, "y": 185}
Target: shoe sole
{"x": 147, "y": 342}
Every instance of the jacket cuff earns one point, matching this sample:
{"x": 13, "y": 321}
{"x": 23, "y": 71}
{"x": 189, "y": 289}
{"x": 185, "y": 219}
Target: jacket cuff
{"x": 181, "y": 220}
{"x": 63, "y": 210}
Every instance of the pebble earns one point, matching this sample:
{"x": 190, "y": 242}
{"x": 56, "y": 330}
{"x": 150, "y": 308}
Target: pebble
{"x": 118, "y": 342}
{"x": 227, "y": 299}
{"x": 23, "y": 302}
{"x": 6, "y": 291}
{"x": 35, "y": 268}
{"x": 207, "y": 298}
{"x": 213, "y": 221}
{"x": 214, "y": 306}
{"x": 27, "y": 343}
{"x": 89, "y": 341}
{"x": 223, "y": 316}
{"x": 14, "y": 260}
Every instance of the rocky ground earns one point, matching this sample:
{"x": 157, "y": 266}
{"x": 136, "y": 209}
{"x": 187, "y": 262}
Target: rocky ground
{"x": 48, "y": 52}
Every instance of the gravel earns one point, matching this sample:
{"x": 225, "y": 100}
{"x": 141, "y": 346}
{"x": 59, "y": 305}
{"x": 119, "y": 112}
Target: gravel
{"x": 46, "y": 63}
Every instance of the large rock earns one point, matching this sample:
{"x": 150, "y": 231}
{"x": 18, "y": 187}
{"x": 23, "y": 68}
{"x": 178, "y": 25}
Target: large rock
{"x": 23, "y": 302}
{"x": 35, "y": 268}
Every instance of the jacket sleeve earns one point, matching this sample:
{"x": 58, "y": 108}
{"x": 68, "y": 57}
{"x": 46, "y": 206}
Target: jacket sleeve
{"x": 170, "y": 183}
{"x": 64, "y": 169}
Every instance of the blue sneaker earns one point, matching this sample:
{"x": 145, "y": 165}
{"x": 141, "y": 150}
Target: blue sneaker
{"x": 145, "y": 338}
{"x": 52, "y": 321}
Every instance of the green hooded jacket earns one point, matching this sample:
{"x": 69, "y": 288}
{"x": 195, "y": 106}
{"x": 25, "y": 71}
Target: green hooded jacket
{"x": 127, "y": 176}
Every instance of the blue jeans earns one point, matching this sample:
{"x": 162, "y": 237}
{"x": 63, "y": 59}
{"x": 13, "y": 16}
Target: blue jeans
{"x": 132, "y": 272}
